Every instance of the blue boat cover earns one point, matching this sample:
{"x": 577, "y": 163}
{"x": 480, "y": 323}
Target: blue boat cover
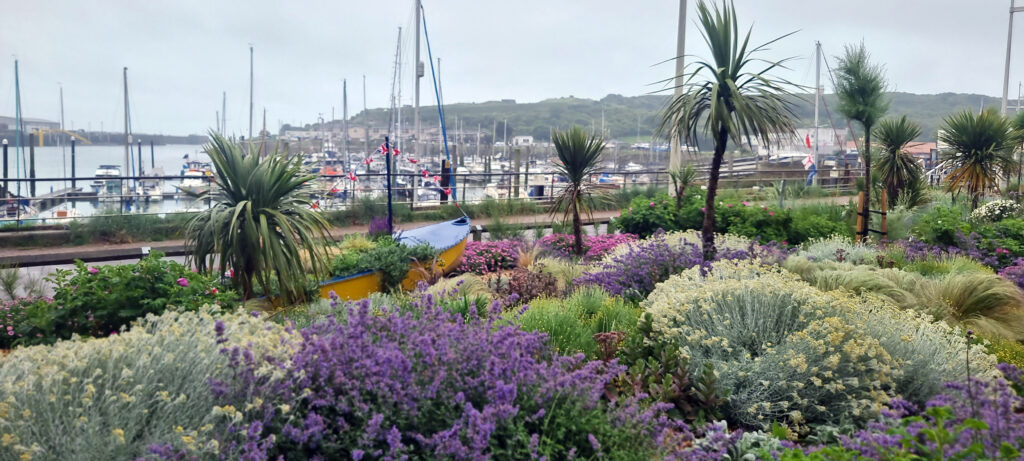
{"x": 441, "y": 236}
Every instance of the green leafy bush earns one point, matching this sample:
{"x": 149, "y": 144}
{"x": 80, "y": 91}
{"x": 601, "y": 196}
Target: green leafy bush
{"x": 98, "y": 301}
{"x": 111, "y": 398}
{"x": 941, "y": 225}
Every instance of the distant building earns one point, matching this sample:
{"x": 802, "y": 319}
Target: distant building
{"x": 522, "y": 140}
{"x": 30, "y": 124}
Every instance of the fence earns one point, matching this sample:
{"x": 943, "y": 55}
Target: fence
{"x": 111, "y": 195}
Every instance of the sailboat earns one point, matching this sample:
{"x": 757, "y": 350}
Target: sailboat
{"x": 448, "y": 238}
{"x": 16, "y": 207}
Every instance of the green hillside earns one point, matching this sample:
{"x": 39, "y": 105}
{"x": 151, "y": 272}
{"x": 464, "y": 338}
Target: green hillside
{"x": 625, "y": 117}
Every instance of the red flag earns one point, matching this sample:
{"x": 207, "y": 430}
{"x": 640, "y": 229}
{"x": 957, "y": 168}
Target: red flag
{"x": 426, "y": 173}
{"x": 808, "y": 140}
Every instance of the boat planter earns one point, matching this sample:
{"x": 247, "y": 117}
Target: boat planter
{"x": 448, "y": 238}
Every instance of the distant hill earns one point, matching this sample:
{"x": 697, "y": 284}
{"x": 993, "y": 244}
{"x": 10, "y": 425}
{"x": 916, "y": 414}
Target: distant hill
{"x": 633, "y": 117}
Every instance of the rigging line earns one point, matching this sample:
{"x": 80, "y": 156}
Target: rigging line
{"x": 848, "y": 124}
{"x": 440, "y": 106}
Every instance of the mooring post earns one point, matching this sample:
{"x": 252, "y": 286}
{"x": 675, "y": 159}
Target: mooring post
{"x": 140, "y": 157}
{"x": 152, "y": 157}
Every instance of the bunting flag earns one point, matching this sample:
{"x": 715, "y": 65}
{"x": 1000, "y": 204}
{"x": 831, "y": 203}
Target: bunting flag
{"x": 437, "y": 178}
{"x": 412, "y": 160}
{"x": 395, "y": 152}
{"x": 807, "y": 140}
{"x": 809, "y": 161}
{"x": 368, "y": 161}
{"x": 426, "y": 174}
{"x": 352, "y": 175}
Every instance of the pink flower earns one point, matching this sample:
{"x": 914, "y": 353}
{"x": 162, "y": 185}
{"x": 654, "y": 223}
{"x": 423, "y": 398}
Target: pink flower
{"x": 746, "y": 203}
{"x": 183, "y": 282}
{"x": 771, "y": 213}
{"x": 728, "y": 205}
{"x": 94, "y": 271}
{"x": 652, "y": 203}
{"x": 703, "y": 210}
{"x": 630, "y": 208}
{"x": 213, "y": 290}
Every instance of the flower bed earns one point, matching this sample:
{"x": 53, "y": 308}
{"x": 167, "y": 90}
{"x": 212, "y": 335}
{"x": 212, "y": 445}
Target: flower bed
{"x": 486, "y": 257}
{"x": 595, "y": 246}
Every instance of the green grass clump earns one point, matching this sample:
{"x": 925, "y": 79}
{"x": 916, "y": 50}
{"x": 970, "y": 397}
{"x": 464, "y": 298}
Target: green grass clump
{"x": 571, "y": 323}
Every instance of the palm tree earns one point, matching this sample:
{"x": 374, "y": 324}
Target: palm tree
{"x": 578, "y": 154}
{"x": 897, "y": 169}
{"x": 860, "y": 87}
{"x": 981, "y": 149}
{"x": 725, "y": 99}
{"x": 261, "y": 224}
{"x": 682, "y": 178}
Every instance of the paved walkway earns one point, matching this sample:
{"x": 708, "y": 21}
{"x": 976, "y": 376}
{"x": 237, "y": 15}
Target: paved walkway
{"x": 110, "y": 251}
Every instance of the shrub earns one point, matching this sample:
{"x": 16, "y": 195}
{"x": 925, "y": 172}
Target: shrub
{"x": 776, "y": 343}
{"x": 15, "y": 321}
{"x": 426, "y": 384}
{"x": 635, "y": 271}
{"x": 996, "y": 210}
{"x": 982, "y": 301}
{"x": 941, "y": 225}
{"x": 840, "y": 249}
{"x": 572, "y": 323}
{"x": 1006, "y": 351}
{"x": 522, "y": 285}
{"x": 486, "y": 257}
{"x": 595, "y": 246}
{"x": 110, "y": 398}
{"x": 98, "y": 301}
{"x": 976, "y": 419}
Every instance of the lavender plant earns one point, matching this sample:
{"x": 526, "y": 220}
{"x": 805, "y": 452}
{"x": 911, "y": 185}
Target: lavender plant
{"x": 429, "y": 384}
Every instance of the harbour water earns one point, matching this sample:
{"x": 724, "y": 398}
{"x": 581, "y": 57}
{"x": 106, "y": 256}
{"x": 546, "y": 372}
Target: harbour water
{"x": 55, "y": 162}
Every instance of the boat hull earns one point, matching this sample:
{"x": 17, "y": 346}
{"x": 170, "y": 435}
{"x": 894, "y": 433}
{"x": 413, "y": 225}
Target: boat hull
{"x": 449, "y": 238}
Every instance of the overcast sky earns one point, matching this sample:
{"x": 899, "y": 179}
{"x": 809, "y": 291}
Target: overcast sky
{"x": 182, "y": 54}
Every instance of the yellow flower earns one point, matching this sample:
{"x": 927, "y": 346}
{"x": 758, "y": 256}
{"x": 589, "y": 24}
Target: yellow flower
{"x": 25, "y": 414}
{"x": 179, "y": 429}
{"x": 8, "y": 439}
{"x": 26, "y": 456}
{"x": 118, "y": 434}
{"x": 188, "y": 440}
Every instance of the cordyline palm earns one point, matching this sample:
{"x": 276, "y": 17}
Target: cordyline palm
{"x": 860, "y": 88}
{"x": 897, "y": 169}
{"x": 726, "y": 99}
{"x": 261, "y": 222}
{"x": 579, "y": 154}
{"x": 980, "y": 150}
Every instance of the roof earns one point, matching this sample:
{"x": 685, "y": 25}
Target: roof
{"x": 921, "y": 148}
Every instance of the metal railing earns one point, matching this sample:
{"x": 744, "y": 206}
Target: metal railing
{"x": 339, "y": 192}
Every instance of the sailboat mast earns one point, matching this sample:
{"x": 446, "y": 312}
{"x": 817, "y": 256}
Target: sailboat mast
{"x": 224, "y": 113}
{"x": 817, "y": 99}
{"x": 419, "y": 75}
{"x": 19, "y": 123}
{"x": 127, "y": 137}
{"x": 250, "y": 92}
{"x": 344, "y": 122}
{"x": 60, "y": 138}
{"x": 398, "y": 62}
